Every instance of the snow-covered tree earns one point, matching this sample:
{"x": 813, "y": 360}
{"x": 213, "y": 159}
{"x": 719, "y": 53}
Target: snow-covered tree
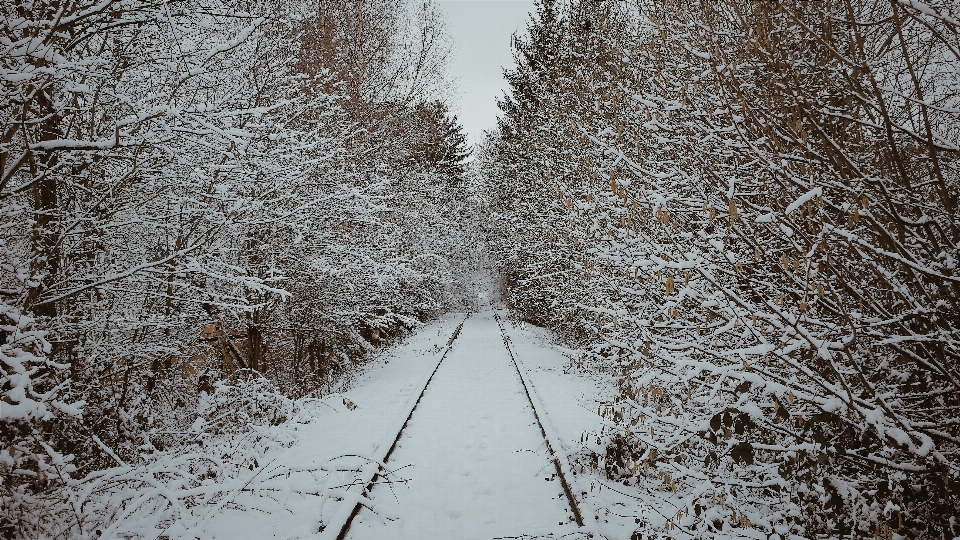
{"x": 760, "y": 203}
{"x": 190, "y": 198}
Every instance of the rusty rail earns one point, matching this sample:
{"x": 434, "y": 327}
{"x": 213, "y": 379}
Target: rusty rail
{"x": 556, "y": 461}
{"x": 369, "y": 487}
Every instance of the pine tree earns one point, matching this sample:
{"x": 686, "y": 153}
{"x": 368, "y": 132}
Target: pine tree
{"x": 443, "y": 149}
{"x": 537, "y": 58}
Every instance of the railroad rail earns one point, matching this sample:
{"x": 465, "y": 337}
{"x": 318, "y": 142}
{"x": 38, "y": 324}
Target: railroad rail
{"x": 536, "y": 413}
{"x": 345, "y": 520}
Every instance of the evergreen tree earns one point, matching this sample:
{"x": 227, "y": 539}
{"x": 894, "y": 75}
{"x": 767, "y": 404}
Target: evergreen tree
{"x": 537, "y": 59}
{"x": 443, "y": 149}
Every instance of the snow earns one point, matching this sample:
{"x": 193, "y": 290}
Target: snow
{"x": 71, "y": 409}
{"x": 927, "y": 10}
{"x": 477, "y": 465}
{"x": 61, "y": 144}
{"x": 569, "y": 402}
{"x": 804, "y": 199}
{"x": 340, "y": 439}
{"x": 765, "y": 218}
{"x": 763, "y": 348}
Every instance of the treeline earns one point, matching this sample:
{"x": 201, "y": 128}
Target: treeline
{"x": 748, "y": 212}
{"x": 195, "y": 193}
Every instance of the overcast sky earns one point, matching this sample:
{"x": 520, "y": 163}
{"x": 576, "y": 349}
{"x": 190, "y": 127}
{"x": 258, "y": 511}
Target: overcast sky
{"x": 481, "y": 30}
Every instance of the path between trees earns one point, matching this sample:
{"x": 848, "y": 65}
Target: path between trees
{"x": 478, "y": 464}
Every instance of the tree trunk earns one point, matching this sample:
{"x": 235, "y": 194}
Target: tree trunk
{"x": 254, "y": 347}
{"x": 45, "y": 263}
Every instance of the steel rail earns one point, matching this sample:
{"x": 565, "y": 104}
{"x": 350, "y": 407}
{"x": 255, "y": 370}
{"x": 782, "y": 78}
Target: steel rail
{"x": 342, "y": 534}
{"x": 556, "y": 460}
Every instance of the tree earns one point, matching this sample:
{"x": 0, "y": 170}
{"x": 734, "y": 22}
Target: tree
{"x": 444, "y": 147}
{"x": 189, "y": 201}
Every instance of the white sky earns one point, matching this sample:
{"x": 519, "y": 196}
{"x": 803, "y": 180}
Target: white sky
{"x": 480, "y": 30}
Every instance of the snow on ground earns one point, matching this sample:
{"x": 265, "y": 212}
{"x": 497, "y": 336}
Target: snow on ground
{"x": 569, "y": 401}
{"x": 343, "y": 433}
{"x": 475, "y": 461}
{"x": 261, "y": 465}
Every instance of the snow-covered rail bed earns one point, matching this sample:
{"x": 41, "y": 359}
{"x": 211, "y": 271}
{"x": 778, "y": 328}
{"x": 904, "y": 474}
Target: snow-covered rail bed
{"x": 568, "y": 400}
{"x": 341, "y": 522}
{"x": 472, "y": 462}
{"x": 562, "y": 466}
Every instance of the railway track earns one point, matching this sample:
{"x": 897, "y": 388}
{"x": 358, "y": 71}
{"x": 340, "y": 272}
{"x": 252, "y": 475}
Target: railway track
{"x": 341, "y": 523}
{"x": 560, "y": 466}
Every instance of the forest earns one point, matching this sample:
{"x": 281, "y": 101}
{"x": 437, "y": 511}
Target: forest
{"x": 744, "y": 215}
{"x": 225, "y": 199}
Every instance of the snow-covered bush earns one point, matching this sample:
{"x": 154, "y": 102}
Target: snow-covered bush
{"x": 168, "y": 492}
{"x": 32, "y": 472}
{"x": 233, "y": 408}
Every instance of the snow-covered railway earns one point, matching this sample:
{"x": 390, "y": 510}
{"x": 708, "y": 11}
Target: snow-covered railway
{"x": 561, "y": 465}
{"x": 477, "y": 461}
